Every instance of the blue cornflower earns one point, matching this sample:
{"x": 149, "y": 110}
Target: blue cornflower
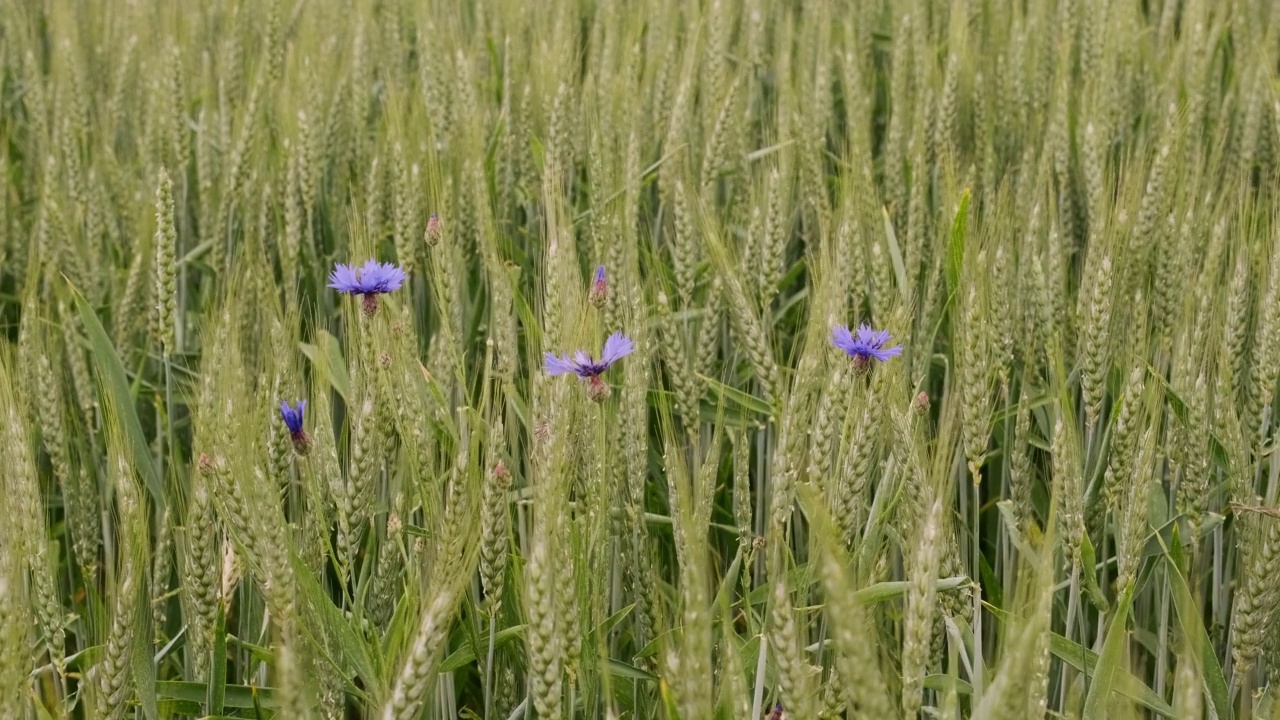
{"x": 292, "y": 417}
{"x": 868, "y": 345}
{"x": 599, "y": 293}
{"x": 616, "y": 347}
{"x": 369, "y": 281}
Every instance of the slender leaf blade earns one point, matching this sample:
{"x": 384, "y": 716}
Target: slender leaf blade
{"x": 1104, "y": 677}
{"x": 1215, "y": 682}
{"x": 115, "y": 384}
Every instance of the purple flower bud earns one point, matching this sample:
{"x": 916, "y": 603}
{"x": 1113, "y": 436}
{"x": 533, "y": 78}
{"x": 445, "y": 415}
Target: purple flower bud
{"x": 599, "y": 293}
{"x": 292, "y": 417}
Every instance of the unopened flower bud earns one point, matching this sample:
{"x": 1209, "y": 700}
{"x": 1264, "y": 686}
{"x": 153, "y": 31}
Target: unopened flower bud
{"x": 433, "y": 230}
{"x": 599, "y": 293}
{"x": 921, "y": 404}
{"x": 502, "y": 475}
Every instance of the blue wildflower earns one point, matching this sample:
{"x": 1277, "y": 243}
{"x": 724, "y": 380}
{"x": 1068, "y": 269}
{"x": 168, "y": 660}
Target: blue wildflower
{"x": 369, "y": 281}
{"x": 599, "y": 293}
{"x": 292, "y": 417}
{"x": 584, "y": 366}
{"x": 867, "y": 345}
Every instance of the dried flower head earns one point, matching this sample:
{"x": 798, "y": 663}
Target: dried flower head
{"x": 599, "y": 293}
{"x": 867, "y": 345}
{"x": 369, "y": 281}
{"x": 292, "y": 417}
{"x": 616, "y": 347}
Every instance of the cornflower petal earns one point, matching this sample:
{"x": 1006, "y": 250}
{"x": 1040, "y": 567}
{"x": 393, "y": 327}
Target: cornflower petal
{"x": 372, "y": 278}
{"x": 843, "y": 339}
{"x": 556, "y": 365}
{"x": 293, "y": 416}
{"x": 343, "y": 279}
{"x": 616, "y": 347}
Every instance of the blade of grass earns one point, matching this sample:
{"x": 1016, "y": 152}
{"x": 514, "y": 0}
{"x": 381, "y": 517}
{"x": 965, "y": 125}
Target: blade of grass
{"x": 115, "y": 383}
{"x": 216, "y": 691}
{"x": 237, "y": 697}
{"x": 1104, "y": 678}
{"x": 1189, "y": 615}
{"x": 895, "y": 255}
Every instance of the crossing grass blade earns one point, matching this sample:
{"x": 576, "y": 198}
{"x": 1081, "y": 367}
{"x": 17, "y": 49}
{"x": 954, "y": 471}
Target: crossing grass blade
{"x": 1113, "y": 653}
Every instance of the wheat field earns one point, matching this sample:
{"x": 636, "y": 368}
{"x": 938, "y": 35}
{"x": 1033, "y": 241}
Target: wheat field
{"x": 733, "y": 359}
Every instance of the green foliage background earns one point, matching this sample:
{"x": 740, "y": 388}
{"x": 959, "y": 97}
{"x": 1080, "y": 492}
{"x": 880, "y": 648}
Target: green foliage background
{"x": 1059, "y": 501}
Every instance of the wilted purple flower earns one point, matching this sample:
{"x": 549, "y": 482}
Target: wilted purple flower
{"x": 868, "y": 345}
{"x": 776, "y": 713}
{"x": 293, "y": 420}
{"x": 369, "y": 281}
{"x": 599, "y": 293}
{"x": 616, "y": 347}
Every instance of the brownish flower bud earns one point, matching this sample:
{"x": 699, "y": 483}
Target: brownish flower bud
{"x": 921, "y": 404}
{"x": 597, "y": 390}
{"x": 434, "y": 232}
